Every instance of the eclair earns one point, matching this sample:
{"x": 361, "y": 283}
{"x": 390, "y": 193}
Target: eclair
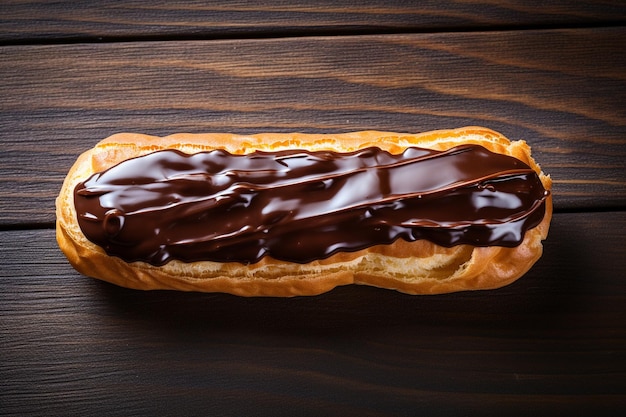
{"x": 294, "y": 214}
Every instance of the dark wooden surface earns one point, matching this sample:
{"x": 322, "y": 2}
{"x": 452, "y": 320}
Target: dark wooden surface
{"x": 554, "y": 74}
{"x": 40, "y": 21}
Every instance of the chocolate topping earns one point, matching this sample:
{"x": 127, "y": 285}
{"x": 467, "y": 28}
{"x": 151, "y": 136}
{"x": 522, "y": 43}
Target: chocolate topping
{"x": 300, "y": 206}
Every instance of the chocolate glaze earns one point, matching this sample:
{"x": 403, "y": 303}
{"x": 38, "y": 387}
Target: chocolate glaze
{"x": 300, "y": 206}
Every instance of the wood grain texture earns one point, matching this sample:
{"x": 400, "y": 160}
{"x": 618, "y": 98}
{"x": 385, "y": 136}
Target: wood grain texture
{"x": 561, "y": 90}
{"x": 554, "y": 342}
{"x": 46, "y": 21}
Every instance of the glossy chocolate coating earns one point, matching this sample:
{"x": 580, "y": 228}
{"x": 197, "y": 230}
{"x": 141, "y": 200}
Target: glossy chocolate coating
{"x": 299, "y": 206}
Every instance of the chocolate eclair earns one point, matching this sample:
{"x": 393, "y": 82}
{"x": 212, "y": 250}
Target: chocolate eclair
{"x": 299, "y": 214}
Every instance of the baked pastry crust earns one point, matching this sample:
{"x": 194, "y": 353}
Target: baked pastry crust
{"x": 419, "y": 267}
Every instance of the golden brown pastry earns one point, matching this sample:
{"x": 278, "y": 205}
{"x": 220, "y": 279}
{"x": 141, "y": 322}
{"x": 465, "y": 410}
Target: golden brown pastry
{"x": 353, "y": 208}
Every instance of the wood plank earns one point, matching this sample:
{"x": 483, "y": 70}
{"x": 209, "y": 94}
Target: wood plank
{"x": 45, "y": 21}
{"x": 554, "y": 342}
{"x": 561, "y": 90}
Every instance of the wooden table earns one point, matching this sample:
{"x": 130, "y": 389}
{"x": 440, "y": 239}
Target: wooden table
{"x": 72, "y": 73}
